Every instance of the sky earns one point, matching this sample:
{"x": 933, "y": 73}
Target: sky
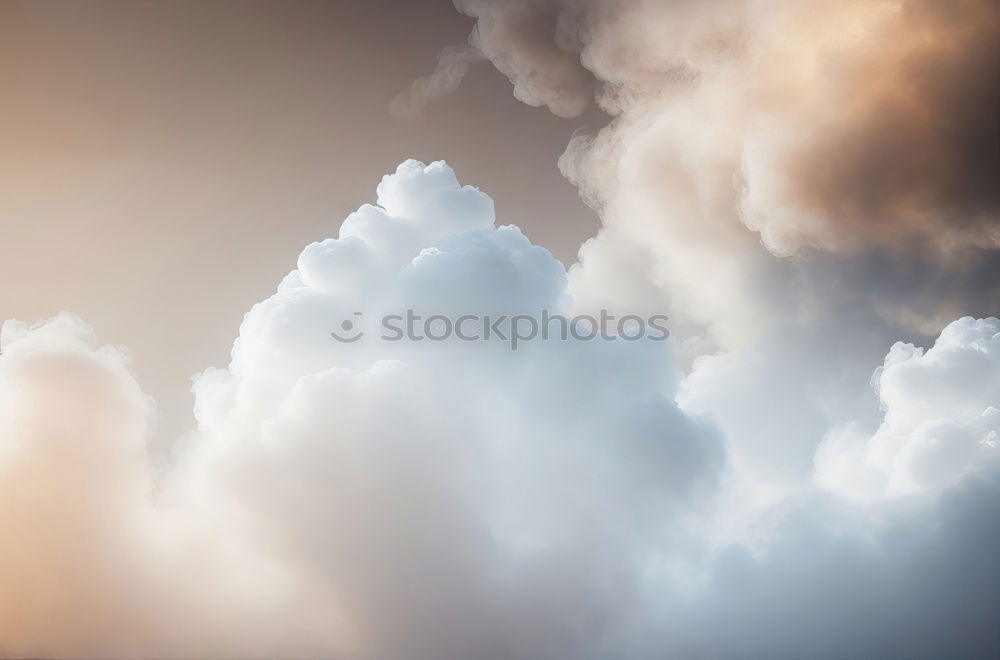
{"x": 201, "y": 199}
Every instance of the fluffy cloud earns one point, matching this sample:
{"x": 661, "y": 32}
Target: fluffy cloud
{"x": 941, "y": 417}
{"x": 846, "y": 123}
{"x": 105, "y": 556}
{"x": 73, "y": 487}
{"x": 421, "y": 499}
{"x": 462, "y": 500}
{"x": 452, "y": 499}
{"x": 854, "y": 140}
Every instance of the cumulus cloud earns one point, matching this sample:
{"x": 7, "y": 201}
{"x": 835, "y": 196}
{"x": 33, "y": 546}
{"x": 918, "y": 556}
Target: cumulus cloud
{"x": 461, "y": 500}
{"x": 426, "y": 500}
{"x": 453, "y": 500}
{"x": 941, "y": 420}
{"x": 869, "y": 544}
{"x": 800, "y": 184}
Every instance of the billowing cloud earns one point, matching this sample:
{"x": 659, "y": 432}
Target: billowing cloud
{"x": 941, "y": 418}
{"x": 895, "y": 140}
{"x": 537, "y": 46}
{"x": 428, "y": 500}
{"x": 844, "y": 123}
{"x": 571, "y": 499}
{"x": 807, "y": 188}
{"x": 800, "y": 184}
{"x": 452, "y": 499}
{"x": 104, "y": 554}
{"x": 854, "y": 140}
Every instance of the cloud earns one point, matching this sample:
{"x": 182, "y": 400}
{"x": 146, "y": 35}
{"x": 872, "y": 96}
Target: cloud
{"x": 536, "y": 45}
{"x": 73, "y": 492}
{"x": 800, "y": 184}
{"x": 454, "y": 500}
{"x": 941, "y": 419}
{"x": 461, "y": 500}
{"x": 796, "y": 184}
{"x": 105, "y": 555}
{"x": 894, "y": 141}
{"x": 869, "y": 543}
{"x": 846, "y": 124}
{"x": 452, "y": 66}
{"x": 427, "y": 500}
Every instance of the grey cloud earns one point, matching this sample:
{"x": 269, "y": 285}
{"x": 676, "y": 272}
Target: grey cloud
{"x": 884, "y": 134}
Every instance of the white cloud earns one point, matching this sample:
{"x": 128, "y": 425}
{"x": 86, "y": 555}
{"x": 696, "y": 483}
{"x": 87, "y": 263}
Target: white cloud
{"x": 941, "y": 417}
{"x": 73, "y": 487}
{"x": 461, "y": 500}
{"x": 455, "y": 500}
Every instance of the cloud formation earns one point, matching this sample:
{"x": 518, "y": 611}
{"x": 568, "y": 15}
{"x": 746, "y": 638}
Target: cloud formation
{"x": 455, "y": 500}
{"x": 438, "y": 493}
{"x": 941, "y": 419}
{"x": 846, "y": 123}
{"x": 73, "y": 489}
